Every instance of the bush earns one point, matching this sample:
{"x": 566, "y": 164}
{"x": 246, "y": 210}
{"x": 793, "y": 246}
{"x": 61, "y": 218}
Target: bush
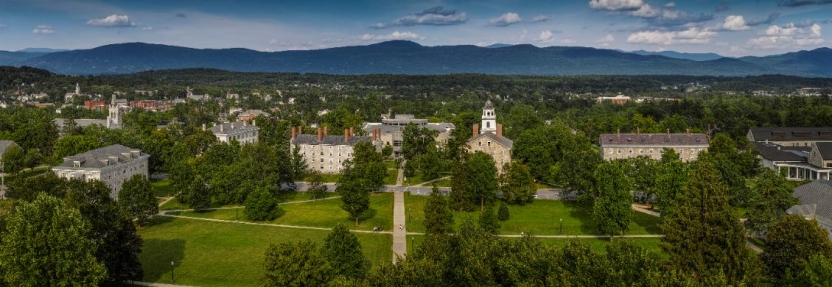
{"x": 502, "y": 213}
{"x": 261, "y": 205}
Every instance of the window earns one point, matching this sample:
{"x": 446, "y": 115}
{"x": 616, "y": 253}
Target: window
{"x": 488, "y": 124}
{"x": 489, "y": 143}
{"x": 480, "y": 143}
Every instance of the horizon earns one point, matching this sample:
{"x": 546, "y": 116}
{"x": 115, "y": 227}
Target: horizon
{"x": 729, "y": 28}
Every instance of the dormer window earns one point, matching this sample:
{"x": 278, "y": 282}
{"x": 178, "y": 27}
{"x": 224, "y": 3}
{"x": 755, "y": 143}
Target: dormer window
{"x": 76, "y": 163}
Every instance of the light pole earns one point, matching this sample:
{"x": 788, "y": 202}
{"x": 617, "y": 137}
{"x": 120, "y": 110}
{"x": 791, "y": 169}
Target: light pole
{"x": 561, "y": 226}
{"x": 171, "y": 272}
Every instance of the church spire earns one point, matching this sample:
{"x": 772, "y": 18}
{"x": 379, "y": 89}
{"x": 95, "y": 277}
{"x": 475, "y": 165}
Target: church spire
{"x": 489, "y": 118}
{"x": 77, "y": 89}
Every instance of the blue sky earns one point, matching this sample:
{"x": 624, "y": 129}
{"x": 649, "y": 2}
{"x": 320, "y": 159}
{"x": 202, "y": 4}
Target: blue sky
{"x": 727, "y": 27}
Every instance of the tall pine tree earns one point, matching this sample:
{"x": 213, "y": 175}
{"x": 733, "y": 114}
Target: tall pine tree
{"x": 438, "y": 217}
{"x": 342, "y": 250}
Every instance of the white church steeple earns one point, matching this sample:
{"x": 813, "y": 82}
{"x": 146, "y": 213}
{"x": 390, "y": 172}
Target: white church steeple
{"x": 77, "y": 89}
{"x": 489, "y": 118}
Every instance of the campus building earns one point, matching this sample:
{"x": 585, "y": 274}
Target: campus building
{"x": 391, "y": 130}
{"x": 488, "y": 138}
{"x": 797, "y": 153}
{"x": 112, "y": 165}
{"x": 327, "y": 153}
{"x": 242, "y": 132}
{"x": 631, "y": 145}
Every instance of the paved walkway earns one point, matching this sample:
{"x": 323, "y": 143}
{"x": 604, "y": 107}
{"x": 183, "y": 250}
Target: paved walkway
{"x": 399, "y": 234}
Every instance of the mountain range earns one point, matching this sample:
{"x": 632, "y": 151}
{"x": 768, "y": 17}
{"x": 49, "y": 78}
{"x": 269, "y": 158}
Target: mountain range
{"x": 405, "y": 57}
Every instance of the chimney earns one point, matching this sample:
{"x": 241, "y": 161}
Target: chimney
{"x": 638, "y": 130}
{"x": 326, "y": 130}
{"x": 320, "y": 134}
{"x": 352, "y": 132}
{"x": 254, "y": 122}
{"x": 668, "y": 132}
{"x": 346, "y": 135}
{"x": 222, "y": 128}
{"x": 499, "y": 130}
{"x": 293, "y": 133}
{"x": 619, "y": 133}
{"x": 687, "y": 131}
{"x": 300, "y": 130}
{"x": 475, "y": 130}
{"x": 374, "y": 135}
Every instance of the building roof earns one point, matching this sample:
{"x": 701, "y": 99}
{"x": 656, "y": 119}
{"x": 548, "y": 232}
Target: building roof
{"x": 388, "y": 129}
{"x": 60, "y": 122}
{"x": 677, "y": 139}
{"x": 99, "y": 158}
{"x": 825, "y": 149}
{"x": 304, "y": 139}
{"x": 791, "y": 134}
{"x": 488, "y": 105}
{"x": 507, "y": 142}
{"x": 226, "y": 128}
{"x": 779, "y": 153}
{"x": 5, "y": 145}
{"x": 817, "y": 193}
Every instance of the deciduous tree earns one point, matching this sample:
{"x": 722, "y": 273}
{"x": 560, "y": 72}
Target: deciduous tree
{"x": 261, "y": 205}
{"x": 612, "y": 210}
{"x": 790, "y": 243}
{"x": 136, "y": 198}
{"x": 488, "y": 220}
{"x": 517, "y": 183}
{"x": 768, "y": 203}
{"x": 342, "y": 250}
{"x": 295, "y": 264}
{"x": 438, "y": 216}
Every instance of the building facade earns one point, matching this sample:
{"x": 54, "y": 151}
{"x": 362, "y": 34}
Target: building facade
{"x": 490, "y": 139}
{"x": 629, "y": 145}
{"x": 797, "y": 153}
{"x": 112, "y": 165}
{"x": 242, "y": 132}
{"x": 790, "y": 136}
{"x": 327, "y": 153}
{"x": 390, "y": 130}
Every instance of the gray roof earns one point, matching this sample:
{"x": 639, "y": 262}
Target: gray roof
{"x": 329, "y": 140}
{"x": 791, "y": 134}
{"x": 818, "y": 193}
{"x": 5, "y": 145}
{"x": 387, "y": 129}
{"x": 507, "y": 142}
{"x": 677, "y": 139}
{"x": 825, "y": 149}
{"x": 94, "y": 158}
{"x": 779, "y": 153}
{"x": 60, "y": 122}
{"x": 233, "y": 126}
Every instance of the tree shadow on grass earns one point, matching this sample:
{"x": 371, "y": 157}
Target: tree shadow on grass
{"x": 156, "y": 258}
{"x": 648, "y": 222}
{"x": 156, "y": 220}
{"x": 368, "y": 215}
{"x": 583, "y": 214}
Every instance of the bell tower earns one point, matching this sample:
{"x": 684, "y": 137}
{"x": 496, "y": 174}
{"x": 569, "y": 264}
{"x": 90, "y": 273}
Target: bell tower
{"x": 489, "y": 118}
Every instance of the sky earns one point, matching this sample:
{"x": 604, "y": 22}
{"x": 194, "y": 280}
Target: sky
{"x": 726, "y": 27}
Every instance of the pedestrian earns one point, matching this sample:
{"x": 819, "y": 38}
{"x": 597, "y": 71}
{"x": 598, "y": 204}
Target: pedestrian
{"x": 400, "y": 227}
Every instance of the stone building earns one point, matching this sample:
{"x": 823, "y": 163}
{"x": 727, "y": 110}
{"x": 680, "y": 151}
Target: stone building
{"x": 112, "y": 165}
{"x": 327, "y": 153}
{"x": 242, "y": 132}
{"x": 790, "y": 136}
{"x": 798, "y": 153}
{"x": 629, "y": 145}
{"x": 391, "y": 130}
{"x": 490, "y": 139}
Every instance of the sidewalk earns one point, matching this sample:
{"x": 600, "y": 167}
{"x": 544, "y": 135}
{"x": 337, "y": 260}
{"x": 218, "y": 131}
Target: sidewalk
{"x": 399, "y": 235}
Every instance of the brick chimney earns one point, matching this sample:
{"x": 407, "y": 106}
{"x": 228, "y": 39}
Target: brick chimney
{"x": 668, "y": 132}
{"x": 375, "y": 135}
{"x": 475, "y": 130}
{"x": 499, "y": 130}
{"x": 320, "y": 134}
{"x": 618, "y": 132}
{"x": 346, "y": 135}
{"x": 294, "y": 133}
{"x": 300, "y": 130}
{"x": 326, "y": 130}
{"x": 352, "y": 132}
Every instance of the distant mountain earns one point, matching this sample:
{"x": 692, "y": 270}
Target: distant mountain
{"x": 41, "y": 50}
{"x": 11, "y": 58}
{"x": 405, "y": 57}
{"x": 678, "y": 55}
{"x": 498, "y": 45}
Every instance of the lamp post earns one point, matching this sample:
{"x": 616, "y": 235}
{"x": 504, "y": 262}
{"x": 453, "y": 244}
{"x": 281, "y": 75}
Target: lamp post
{"x": 171, "y": 272}
{"x": 561, "y": 226}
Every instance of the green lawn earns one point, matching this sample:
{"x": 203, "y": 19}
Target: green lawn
{"x": 390, "y": 178}
{"x": 541, "y": 217}
{"x": 284, "y": 196}
{"x": 325, "y": 213}
{"x": 327, "y": 177}
{"x": 443, "y": 183}
{"x": 599, "y": 245}
{"x": 226, "y": 254}
{"x": 162, "y": 188}
{"x": 758, "y": 241}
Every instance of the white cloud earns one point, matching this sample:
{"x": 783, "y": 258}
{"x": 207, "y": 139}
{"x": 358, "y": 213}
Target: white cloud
{"x": 436, "y": 16}
{"x": 545, "y": 36}
{"x": 647, "y": 11}
{"x": 43, "y": 29}
{"x": 670, "y": 5}
{"x": 567, "y": 41}
{"x": 606, "y": 40}
{"x": 396, "y": 35}
{"x": 734, "y": 23}
{"x": 541, "y": 18}
{"x": 506, "y": 19}
{"x": 692, "y": 35}
{"x": 616, "y": 5}
{"x": 112, "y": 21}
{"x": 788, "y": 36}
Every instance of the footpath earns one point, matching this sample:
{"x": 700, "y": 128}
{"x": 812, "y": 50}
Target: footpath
{"x": 399, "y": 228}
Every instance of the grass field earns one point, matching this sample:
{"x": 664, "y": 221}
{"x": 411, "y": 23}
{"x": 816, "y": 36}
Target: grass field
{"x": 327, "y": 177}
{"x": 226, "y": 254}
{"x": 162, "y": 188}
{"x": 599, "y": 245}
{"x": 541, "y": 217}
{"x": 284, "y": 196}
{"x": 324, "y": 213}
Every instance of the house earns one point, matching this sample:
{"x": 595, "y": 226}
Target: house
{"x": 112, "y": 165}
{"x": 250, "y": 115}
{"x": 618, "y": 100}
{"x": 242, "y": 132}
{"x": 489, "y": 139}
{"x": 327, "y": 153}
{"x": 815, "y": 203}
{"x": 790, "y": 136}
{"x": 390, "y": 130}
{"x": 94, "y": 105}
{"x": 630, "y": 145}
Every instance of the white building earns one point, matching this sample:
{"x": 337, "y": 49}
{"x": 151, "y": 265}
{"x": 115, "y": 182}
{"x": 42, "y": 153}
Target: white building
{"x": 488, "y": 138}
{"x": 242, "y": 132}
{"x": 327, "y": 153}
{"x": 112, "y": 165}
